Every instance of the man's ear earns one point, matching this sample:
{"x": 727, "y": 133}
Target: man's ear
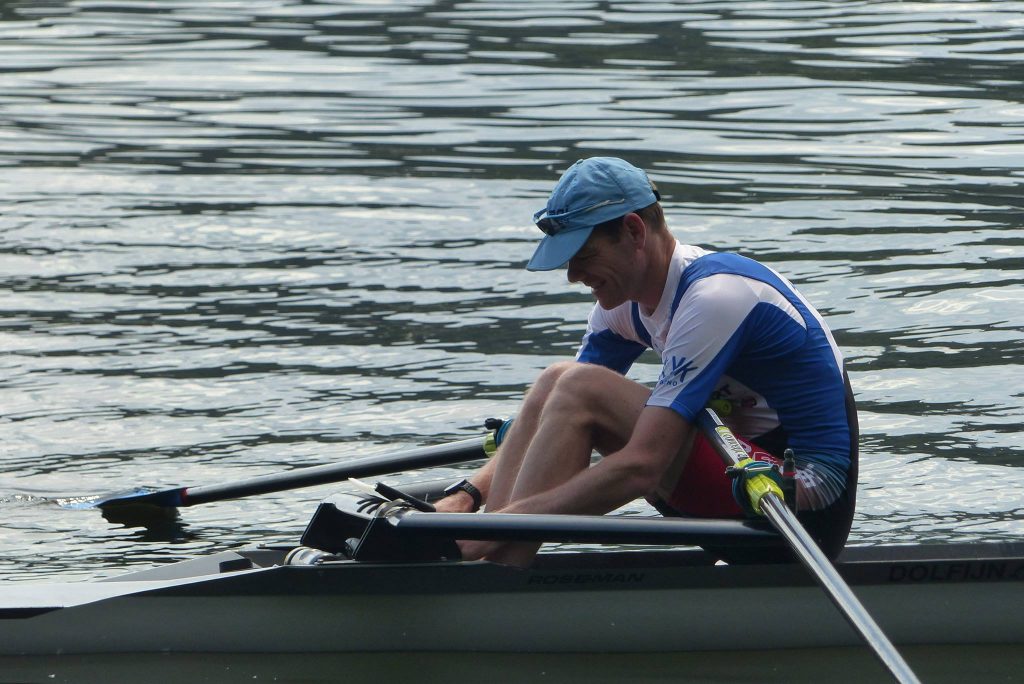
{"x": 636, "y": 229}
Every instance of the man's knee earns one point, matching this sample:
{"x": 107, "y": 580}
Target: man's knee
{"x": 549, "y": 377}
{"x": 584, "y": 386}
{"x": 539, "y": 393}
{"x": 587, "y": 377}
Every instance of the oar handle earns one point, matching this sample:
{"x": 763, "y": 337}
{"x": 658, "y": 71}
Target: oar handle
{"x": 370, "y": 466}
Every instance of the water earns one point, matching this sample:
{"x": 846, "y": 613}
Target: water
{"x": 239, "y": 238}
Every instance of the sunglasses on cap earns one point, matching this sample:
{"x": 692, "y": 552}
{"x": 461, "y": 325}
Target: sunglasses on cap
{"x": 554, "y": 224}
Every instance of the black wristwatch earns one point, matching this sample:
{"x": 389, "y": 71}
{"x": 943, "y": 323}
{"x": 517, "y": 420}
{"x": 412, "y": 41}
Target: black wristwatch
{"x": 466, "y": 486}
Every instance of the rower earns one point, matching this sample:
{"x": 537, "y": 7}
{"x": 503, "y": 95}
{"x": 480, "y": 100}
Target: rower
{"x": 729, "y": 331}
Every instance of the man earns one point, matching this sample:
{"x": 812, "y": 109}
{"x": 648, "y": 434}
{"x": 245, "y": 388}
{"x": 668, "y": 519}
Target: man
{"x": 729, "y": 331}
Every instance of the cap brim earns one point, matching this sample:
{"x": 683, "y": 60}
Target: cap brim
{"x": 554, "y": 251}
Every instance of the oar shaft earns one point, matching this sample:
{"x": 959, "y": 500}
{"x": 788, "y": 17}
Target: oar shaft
{"x": 425, "y": 457}
{"x": 785, "y": 521}
{"x": 837, "y": 589}
{"x": 598, "y": 529}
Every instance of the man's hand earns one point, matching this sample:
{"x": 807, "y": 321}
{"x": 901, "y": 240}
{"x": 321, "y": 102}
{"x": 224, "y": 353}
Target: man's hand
{"x": 462, "y": 502}
{"x": 459, "y": 502}
{"x": 475, "y": 550}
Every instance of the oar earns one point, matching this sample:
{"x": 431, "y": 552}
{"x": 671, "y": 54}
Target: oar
{"x": 443, "y": 454}
{"x": 785, "y": 521}
{"x": 589, "y": 529}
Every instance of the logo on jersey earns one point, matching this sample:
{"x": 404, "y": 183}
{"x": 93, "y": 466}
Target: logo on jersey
{"x": 675, "y": 370}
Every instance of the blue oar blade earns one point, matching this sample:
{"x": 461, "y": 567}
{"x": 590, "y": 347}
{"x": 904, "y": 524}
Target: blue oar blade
{"x": 140, "y": 496}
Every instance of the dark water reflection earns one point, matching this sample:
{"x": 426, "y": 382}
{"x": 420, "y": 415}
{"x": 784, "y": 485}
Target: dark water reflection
{"x": 240, "y": 238}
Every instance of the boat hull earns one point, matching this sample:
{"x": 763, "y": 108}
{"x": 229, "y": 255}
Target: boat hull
{"x": 599, "y": 602}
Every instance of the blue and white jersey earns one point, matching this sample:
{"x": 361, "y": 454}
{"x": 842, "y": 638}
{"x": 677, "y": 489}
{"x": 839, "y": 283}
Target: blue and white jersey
{"x": 728, "y": 328}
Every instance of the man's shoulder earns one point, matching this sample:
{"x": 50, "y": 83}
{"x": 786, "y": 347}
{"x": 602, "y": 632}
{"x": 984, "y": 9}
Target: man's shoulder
{"x": 687, "y": 254}
{"x": 711, "y": 263}
{"x": 731, "y": 264}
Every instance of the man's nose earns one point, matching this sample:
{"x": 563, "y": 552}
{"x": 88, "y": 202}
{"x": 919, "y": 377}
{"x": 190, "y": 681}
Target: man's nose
{"x": 573, "y": 272}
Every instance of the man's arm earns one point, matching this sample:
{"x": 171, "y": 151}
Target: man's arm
{"x": 462, "y": 502}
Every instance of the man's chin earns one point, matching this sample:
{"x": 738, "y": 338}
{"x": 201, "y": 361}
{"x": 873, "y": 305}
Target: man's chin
{"x": 608, "y": 303}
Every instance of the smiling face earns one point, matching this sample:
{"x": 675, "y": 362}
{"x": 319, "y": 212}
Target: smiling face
{"x": 608, "y": 264}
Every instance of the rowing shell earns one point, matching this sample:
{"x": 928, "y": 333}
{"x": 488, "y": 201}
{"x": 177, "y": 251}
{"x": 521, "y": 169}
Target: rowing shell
{"x": 665, "y": 599}
{"x": 619, "y": 601}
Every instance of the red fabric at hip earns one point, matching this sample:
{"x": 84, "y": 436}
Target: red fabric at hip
{"x": 703, "y": 489}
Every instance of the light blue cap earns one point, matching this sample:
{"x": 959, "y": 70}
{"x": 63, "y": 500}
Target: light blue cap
{"x": 591, "y": 192}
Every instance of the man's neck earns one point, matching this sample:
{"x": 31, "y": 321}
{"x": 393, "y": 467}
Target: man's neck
{"x": 657, "y": 272}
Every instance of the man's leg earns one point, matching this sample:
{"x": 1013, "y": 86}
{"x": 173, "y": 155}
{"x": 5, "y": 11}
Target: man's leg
{"x": 498, "y": 476}
{"x": 590, "y": 408}
{"x": 572, "y": 410}
{"x": 509, "y": 458}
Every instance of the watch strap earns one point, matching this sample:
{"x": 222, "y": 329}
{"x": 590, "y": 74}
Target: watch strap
{"x": 469, "y": 488}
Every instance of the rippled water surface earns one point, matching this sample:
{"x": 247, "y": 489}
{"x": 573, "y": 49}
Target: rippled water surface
{"x": 243, "y": 237}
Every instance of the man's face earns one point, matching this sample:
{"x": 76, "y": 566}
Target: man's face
{"x": 607, "y": 267}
